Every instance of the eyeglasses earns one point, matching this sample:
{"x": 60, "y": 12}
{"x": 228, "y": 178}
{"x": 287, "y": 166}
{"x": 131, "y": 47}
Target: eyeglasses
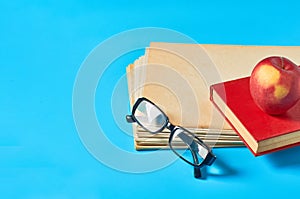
{"x": 181, "y": 141}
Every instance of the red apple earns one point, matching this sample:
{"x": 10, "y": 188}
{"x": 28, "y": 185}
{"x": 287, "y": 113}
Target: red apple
{"x": 275, "y": 84}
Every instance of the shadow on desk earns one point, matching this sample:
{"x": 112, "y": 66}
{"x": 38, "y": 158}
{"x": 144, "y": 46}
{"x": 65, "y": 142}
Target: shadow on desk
{"x": 285, "y": 158}
{"x": 219, "y": 168}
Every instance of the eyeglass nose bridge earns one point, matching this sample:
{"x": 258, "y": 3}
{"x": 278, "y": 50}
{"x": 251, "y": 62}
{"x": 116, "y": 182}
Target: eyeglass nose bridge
{"x": 170, "y": 126}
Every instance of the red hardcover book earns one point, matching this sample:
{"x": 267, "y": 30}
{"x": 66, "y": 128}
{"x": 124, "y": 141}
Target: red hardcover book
{"x": 262, "y": 133}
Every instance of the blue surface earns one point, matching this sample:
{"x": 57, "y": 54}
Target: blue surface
{"x": 43, "y": 44}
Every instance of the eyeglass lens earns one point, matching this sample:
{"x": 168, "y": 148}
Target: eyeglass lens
{"x": 183, "y": 140}
{"x": 150, "y": 117}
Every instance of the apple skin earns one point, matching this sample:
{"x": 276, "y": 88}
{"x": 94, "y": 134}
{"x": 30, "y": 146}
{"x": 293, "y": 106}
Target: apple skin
{"x": 275, "y": 84}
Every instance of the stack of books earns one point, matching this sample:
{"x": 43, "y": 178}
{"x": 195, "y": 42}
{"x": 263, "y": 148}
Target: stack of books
{"x": 178, "y": 77}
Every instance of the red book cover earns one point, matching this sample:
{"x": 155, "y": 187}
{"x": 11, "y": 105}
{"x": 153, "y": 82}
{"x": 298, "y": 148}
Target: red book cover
{"x": 262, "y": 133}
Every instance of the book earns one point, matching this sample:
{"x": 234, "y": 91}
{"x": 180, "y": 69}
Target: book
{"x": 168, "y": 74}
{"x": 146, "y": 141}
{"x": 261, "y": 132}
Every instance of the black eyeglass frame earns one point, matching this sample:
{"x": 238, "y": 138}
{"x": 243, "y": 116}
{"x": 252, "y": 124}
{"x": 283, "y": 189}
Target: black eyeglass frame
{"x": 131, "y": 118}
{"x": 209, "y": 158}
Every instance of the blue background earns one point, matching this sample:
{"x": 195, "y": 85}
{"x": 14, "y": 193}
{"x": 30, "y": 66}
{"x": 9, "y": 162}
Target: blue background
{"x": 43, "y": 44}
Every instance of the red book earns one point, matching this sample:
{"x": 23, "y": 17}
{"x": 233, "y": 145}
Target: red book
{"x": 262, "y": 133}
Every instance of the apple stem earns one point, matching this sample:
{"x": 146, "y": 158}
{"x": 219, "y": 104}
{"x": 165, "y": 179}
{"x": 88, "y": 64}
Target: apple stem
{"x": 282, "y": 66}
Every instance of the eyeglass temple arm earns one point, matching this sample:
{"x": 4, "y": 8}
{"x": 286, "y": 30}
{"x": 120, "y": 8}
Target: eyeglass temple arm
{"x": 130, "y": 119}
{"x": 197, "y": 171}
{"x": 210, "y": 159}
{"x": 186, "y": 139}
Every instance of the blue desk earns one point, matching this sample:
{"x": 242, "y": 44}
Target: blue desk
{"x": 43, "y": 45}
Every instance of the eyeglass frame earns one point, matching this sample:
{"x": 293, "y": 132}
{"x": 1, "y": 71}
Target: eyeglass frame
{"x": 209, "y": 158}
